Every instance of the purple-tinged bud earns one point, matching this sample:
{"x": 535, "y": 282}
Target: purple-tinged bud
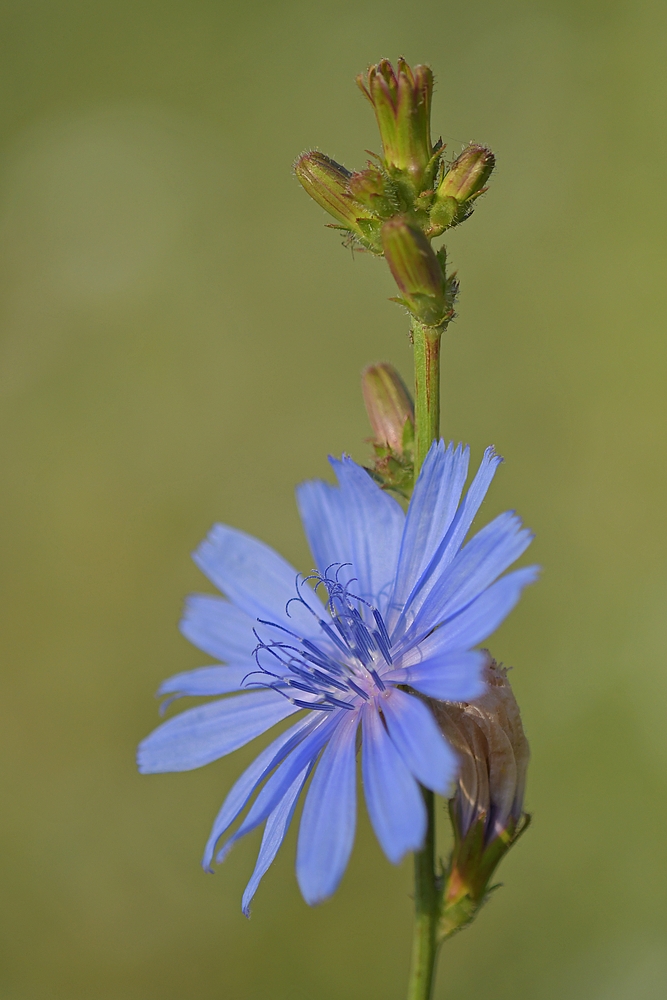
{"x": 425, "y": 290}
{"x": 391, "y": 413}
{"x": 389, "y": 406}
{"x": 468, "y": 174}
{"x": 401, "y": 100}
{"x": 487, "y": 808}
{"x": 327, "y": 183}
{"x": 464, "y": 181}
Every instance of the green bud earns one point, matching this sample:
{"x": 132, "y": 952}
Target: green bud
{"x": 419, "y": 273}
{"x": 388, "y": 404}
{"x": 487, "y": 808}
{"x": 401, "y": 100}
{"x": 327, "y": 183}
{"x": 463, "y": 182}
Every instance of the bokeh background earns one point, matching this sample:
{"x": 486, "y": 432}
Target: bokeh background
{"x": 181, "y": 342}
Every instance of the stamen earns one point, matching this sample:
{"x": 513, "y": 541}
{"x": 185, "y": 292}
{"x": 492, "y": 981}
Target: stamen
{"x": 257, "y": 673}
{"x": 300, "y": 671}
{"x": 316, "y": 668}
{"x": 330, "y": 680}
{"x": 317, "y": 706}
{"x": 378, "y": 680}
{"x": 334, "y": 638}
{"x": 302, "y": 687}
{"x": 360, "y": 691}
{"x": 363, "y": 639}
{"x": 282, "y": 628}
{"x": 321, "y": 658}
{"x": 336, "y": 701}
{"x": 382, "y": 636}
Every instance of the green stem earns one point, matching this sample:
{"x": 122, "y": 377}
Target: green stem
{"x": 426, "y": 340}
{"x": 427, "y": 912}
{"x": 428, "y": 892}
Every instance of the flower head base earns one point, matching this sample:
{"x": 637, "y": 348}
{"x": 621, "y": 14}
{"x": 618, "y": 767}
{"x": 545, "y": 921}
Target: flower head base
{"x": 487, "y": 809}
{"x": 391, "y": 414}
{"x": 405, "y": 603}
{"x": 401, "y": 100}
{"x": 426, "y": 290}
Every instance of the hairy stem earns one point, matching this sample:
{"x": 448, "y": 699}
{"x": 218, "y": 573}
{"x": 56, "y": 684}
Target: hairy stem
{"x": 426, "y": 341}
{"x": 427, "y": 912}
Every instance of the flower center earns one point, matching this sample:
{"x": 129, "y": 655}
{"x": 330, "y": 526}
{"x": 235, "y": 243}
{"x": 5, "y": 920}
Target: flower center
{"x": 336, "y": 670}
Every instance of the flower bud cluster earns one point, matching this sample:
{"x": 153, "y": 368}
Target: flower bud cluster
{"x": 487, "y": 808}
{"x": 407, "y": 196}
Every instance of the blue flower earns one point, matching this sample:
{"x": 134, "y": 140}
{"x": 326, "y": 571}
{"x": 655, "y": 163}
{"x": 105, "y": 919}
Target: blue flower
{"x": 392, "y": 614}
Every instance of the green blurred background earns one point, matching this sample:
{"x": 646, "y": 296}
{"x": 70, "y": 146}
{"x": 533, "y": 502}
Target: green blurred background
{"x": 181, "y": 342}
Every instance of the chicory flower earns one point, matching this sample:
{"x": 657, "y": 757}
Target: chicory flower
{"x": 389, "y": 619}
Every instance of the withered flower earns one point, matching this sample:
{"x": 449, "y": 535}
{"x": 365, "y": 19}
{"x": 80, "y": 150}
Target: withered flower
{"x": 487, "y": 808}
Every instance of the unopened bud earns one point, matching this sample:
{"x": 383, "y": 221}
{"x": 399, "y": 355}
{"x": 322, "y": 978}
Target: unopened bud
{"x": 389, "y": 406}
{"x": 327, "y": 183}
{"x": 418, "y": 272}
{"x": 468, "y": 174}
{"x": 401, "y": 100}
{"x": 370, "y": 188}
{"x": 464, "y": 181}
{"x": 487, "y": 808}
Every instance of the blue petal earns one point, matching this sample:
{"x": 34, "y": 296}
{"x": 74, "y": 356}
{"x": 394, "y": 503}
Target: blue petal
{"x": 244, "y": 787}
{"x": 276, "y": 827}
{"x": 468, "y": 627}
{"x": 375, "y": 525}
{"x": 325, "y": 523}
{"x": 218, "y": 628}
{"x": 203, "y": 734}
{"x": 354, "y": 523}
{"x": 432, "y": 508}
{"x": 471, "y": 504}
{"x": 477, "y": 622}
{"x": 394, "y": 801}
{"x": 257, "y": 580}
{"x": 448, "y": 677}
{"x": 451, "y": 543}
{"x": 476, "y": 567}
{"x": 280, "y": 781}
{"x": 327, "y": 826}
{"x": 203, "y": 681}
{"x": 415, "y": 734}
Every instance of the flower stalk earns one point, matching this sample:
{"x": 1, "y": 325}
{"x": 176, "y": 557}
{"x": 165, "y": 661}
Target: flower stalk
{"x": 428, "y": 904}
{"x": 428, "y": 884}
{"x": 426, "y": 343}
